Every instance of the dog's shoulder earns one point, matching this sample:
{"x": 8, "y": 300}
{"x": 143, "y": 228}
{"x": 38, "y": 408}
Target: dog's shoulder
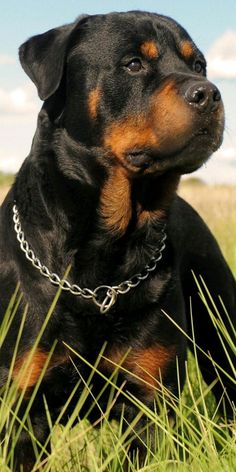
{"x": 188, "y": 231}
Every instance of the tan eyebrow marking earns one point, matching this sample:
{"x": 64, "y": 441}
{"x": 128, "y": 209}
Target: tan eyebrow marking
{"x": 149, "y": 49}
{"x": 186, "y": 49}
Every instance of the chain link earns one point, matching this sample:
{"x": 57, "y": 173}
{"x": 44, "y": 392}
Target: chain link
{"x": 104, "y": 296}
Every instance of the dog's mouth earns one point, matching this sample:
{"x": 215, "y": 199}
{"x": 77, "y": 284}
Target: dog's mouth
{"x": 189, "y": 157}
{"x": 178, "y": 138}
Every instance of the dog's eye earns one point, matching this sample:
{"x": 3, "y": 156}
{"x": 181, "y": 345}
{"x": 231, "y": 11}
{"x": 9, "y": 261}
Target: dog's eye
{"x": 199, "y": 67}
{"x": 135, "y": 65}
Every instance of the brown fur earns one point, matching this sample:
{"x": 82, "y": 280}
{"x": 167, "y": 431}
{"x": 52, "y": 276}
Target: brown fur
{"x": 186, "y": 49}
{"x": 115, "y": 207}
{"x": 29, "y": 367}
{"x": 93, "y": 102}
{"x": 132, "y": 132}
{"x": 149, "y": 49}
{"x": 163, "y": 126}
{"x": 148, "y": 365}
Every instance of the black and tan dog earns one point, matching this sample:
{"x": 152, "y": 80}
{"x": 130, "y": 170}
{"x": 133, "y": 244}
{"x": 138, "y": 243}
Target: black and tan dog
{"x": 127, "y": 110}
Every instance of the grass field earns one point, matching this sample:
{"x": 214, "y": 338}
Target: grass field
{"x": 217, "y": 206}
{"x": 200, "y": 441}
{"x": 5, "y": 181}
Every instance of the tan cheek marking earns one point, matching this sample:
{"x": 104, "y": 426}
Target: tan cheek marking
{"x": 165, "y": 126}
{"x": 93, "y": 102}
{"x": 149, "y": 49}
{"x": 115, "y": 202}
{"x": 132, "y": 132}
{"x": 172, "y": 119}
{"x": 186, "y": 49}
{"x": 148, "y": 364}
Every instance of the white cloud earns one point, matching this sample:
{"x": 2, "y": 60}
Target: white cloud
{"x": 6, "y": 59}
{"x": 18, "y": 114}
{"x": 221, "y": 167}
{"x": 228, "y": 154}
{"x": 19, "y": 101}
{"x": 10, "y": 164}
{"x": 221, "y": 57}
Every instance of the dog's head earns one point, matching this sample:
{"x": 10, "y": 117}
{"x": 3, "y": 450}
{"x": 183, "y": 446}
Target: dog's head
{"x": 132, "y": 85}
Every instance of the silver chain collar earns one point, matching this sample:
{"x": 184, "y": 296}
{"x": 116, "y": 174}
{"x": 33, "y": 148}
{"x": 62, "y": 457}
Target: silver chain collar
{"x": 104, "y": 302}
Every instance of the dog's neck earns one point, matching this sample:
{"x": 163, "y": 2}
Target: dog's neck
{"x": 80, "y": 201}
{"x": 136, "y": 203}
{"x": 124, "y": 200}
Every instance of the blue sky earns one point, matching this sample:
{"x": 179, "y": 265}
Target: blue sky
{"x": 211, "y": 23}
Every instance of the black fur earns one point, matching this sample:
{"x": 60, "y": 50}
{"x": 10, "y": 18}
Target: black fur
{"x": 96, "y": 191}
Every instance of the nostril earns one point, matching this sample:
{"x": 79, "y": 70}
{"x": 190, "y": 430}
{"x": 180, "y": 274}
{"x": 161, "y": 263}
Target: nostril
{"x": 199, "y": 96}
{"x": 196, "y": 95}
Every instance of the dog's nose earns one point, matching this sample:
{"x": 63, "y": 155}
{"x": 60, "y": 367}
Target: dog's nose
{"x": 205, "y": 96}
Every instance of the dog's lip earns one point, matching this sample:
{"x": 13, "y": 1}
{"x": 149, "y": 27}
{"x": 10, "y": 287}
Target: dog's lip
{"x": 148, "y": 156}
{"x": 214, "y": 139}
{"x": 140, "y": 158}
{"x": 149, "y": 160}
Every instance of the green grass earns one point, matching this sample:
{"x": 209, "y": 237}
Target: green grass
{"x": 6, "y": 179}
{"x": 216, "y": 204}
{"x": 200, "y": 440}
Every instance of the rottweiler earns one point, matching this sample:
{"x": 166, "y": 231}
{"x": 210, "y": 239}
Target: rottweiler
{"x": 127, "y": 110}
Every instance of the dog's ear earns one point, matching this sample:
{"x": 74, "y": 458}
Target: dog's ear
{"x": 43, "y": 57}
